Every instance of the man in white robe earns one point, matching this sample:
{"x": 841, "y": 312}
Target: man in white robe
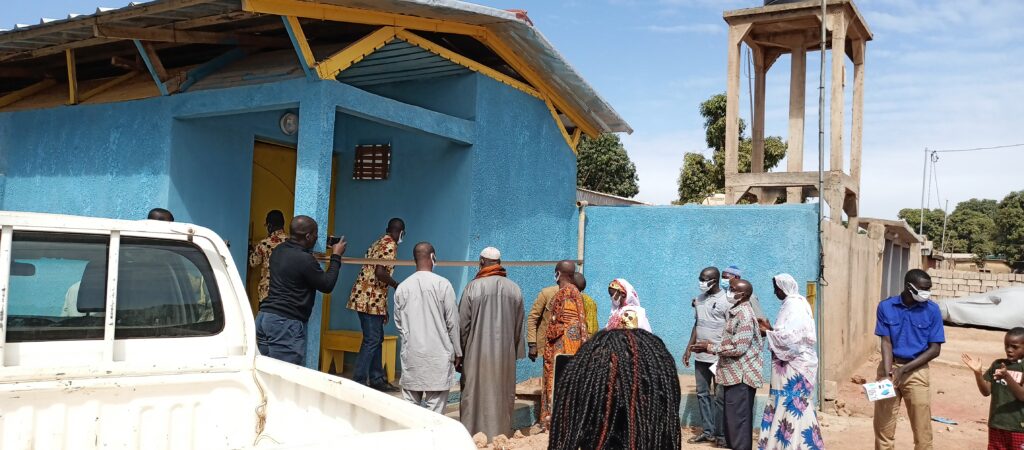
{"x": 428, "y": 323}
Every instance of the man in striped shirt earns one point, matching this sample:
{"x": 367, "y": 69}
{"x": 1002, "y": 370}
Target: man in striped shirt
{"x": 740, "y": 365}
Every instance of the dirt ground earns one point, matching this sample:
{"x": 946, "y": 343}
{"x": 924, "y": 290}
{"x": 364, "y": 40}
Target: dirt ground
{"x": 848, "y": 425}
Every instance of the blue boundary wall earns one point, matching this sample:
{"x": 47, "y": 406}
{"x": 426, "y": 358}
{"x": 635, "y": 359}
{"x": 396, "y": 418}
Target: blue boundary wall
{"x": 661, "y": 251}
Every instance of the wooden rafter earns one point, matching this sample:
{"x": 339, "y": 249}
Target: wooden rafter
{"x": 111, "y": 17}
{"x": 69, "y": 56}
{"x": 183, "y": 37}
{"x": 569, "y": 140}
{"x": 26, "y": 92}
{"x": 334, "y": 64}
{"x": 156, "y": 67}
{"x": 576, "y": 135}
{"x": 320, "y": 11}
{"x": 301, "y": 45}
{"x": 110, "y": 84}
{"x": 183, "y": 25}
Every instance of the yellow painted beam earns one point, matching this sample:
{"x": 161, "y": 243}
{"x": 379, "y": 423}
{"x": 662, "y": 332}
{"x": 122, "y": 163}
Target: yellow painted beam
{"x": 300, "y": 41}
{"x": 470, "y": 64}
{"x": 560, "y": 125}
{"x": 114, "y": 82}
{"x": 576, "y": 135}
{"x": 26, "y": 92}
{"x": 320, "y": 11}
{"x": 333, "y": 65}
{"x": 510, "y": 56}
{"x": 69, "y": 55}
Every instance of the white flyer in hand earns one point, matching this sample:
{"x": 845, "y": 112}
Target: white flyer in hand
{"x": 879, "y": 390}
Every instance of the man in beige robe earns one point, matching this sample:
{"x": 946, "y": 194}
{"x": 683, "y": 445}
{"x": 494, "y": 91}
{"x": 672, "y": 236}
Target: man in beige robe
{"x": 491, "y": 316}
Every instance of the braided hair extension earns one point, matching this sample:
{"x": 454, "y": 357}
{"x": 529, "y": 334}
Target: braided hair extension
{"x": 621, "y": 391}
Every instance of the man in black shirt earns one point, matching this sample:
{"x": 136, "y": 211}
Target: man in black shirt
{"x": 295, "y": 276}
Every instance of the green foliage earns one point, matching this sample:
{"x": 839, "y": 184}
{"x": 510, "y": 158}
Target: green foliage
{"x": 1009, "y": 223}
{"x": 699, "y": 176}
{"x": 932, "y": 221}
{"x": 603, "y": 165}
{"x": 979, "y": 226}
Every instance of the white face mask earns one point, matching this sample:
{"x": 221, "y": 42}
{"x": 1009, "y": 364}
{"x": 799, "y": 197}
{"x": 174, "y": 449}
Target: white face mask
{"x": 731, "y": 297}
{"x": 556, "y": 277}
{"x": 919, "y": 296}
{"x": 705, "y": 286}
{"x": 401, "y": 237}
{"x": 433, "y": 261}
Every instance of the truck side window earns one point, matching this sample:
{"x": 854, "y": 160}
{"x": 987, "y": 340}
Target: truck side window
{"x": 57, "y": 286}
{"x": 165, "y": 289}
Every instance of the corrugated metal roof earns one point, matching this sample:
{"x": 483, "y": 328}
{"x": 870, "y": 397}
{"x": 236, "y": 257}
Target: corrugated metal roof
{"x": 398, "y": 61}
{"x": 50, "y": 37}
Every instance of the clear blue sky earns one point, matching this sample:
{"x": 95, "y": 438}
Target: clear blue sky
{"x": 940, "y": 74}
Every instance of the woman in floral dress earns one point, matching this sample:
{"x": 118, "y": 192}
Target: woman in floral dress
{"x": 789, "y": 421}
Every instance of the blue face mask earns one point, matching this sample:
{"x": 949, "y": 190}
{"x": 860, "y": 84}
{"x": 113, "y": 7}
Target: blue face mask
{"x": 725, "y": 286}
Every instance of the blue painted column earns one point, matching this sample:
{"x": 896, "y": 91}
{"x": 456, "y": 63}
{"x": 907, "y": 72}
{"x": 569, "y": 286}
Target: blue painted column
{"x": 313, "y": 185}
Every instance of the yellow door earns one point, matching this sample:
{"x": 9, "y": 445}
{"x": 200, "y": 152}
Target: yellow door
{"x": 273, "y": 187}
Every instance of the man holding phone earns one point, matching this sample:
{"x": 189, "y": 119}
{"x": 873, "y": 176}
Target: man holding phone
{"x": 295, "y": 276}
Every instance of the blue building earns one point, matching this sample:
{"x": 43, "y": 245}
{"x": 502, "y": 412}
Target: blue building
{"x": 460, "y": 119}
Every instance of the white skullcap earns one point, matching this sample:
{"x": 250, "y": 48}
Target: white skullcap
{"x": 490, "y": 253}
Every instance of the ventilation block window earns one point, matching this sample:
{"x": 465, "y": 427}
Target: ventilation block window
{"x": 373, "y": 162}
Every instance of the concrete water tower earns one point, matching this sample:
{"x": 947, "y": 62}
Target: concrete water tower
{"x": 787, "y": 27}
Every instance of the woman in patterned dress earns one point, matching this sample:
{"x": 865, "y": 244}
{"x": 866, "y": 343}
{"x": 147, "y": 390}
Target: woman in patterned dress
{"x": 789, "y": 421}
{"x": 626, "y": 309}
{"x": 567, "y": 331}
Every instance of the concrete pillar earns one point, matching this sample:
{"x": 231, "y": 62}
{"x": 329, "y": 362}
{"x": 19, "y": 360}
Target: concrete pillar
{"x": 757, "y": 128}
{"x": 838, "y": 26}
{"x": 732, "y": 107}
{"x": 313, "y": 187}
{"x": 857, "y": 133}
{"x": 797, "y": 92}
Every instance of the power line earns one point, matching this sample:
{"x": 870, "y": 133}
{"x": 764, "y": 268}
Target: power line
{"x": 977, "y": 148}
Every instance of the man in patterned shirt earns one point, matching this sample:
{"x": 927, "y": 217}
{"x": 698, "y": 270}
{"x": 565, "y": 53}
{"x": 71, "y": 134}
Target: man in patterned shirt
{"x": 369, "y": 299}
{"x": 739, "y": 365}
{"x": 260, "y": 254}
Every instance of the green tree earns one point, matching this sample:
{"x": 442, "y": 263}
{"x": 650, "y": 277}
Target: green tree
{"x": 1009, "y": 222}
{"x": 603, "y": 165}
{"x": 699, "y": 176}
{"x": 968, "y": 231}
{"x": 987, "y": 207}
{"x": 932, "y": 221}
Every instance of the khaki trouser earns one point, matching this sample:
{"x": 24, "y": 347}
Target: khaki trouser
{"x": 915, "y": 390}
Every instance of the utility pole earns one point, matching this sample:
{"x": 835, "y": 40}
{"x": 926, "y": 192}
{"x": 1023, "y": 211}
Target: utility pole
{"x": 924, "y": 179}
{"x": 945, "y": 218}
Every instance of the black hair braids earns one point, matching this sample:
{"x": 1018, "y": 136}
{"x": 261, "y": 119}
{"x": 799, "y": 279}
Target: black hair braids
{"x": 621, "y": 391}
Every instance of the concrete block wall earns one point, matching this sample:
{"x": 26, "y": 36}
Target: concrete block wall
{"x": 955, "y": 284}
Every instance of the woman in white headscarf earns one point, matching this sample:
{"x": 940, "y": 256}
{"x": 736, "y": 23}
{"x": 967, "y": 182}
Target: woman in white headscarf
{"x": 789, "y": 420}
{"x": 626, "y": 309}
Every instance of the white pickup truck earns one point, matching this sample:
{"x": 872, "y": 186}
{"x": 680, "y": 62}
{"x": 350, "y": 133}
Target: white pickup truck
{"x": 138, "y": 335}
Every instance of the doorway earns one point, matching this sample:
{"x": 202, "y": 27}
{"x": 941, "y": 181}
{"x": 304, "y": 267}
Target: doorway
{"x": 273, "y": 187}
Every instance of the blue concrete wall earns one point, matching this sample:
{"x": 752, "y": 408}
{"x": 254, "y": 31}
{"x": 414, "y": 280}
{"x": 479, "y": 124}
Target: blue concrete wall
{"x": 524, "y": 189}
{"x": 112, "y": 165}
{"x": 428, "y": 188}
{"x": 454, "y": 95}
{"x": 661, "y": 251}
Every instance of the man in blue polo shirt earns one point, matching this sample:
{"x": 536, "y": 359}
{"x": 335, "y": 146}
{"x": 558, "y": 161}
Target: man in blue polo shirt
{"x": 911, "y": 330}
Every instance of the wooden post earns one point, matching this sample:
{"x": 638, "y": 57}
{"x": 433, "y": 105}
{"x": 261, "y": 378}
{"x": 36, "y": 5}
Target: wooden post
{"x": 838, "y": 21}
{"x": 732, "y": 107}
{"x": 69, "y": 55}
{"x": 857, "y": 133}
{"x": 757, "y": 128}
{"x": 797, "y": 93}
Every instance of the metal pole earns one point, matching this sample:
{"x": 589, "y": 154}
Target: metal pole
{"x": 819, "y": 293}
{"x": 924, "y": 179}
{"x": 945, "y": 218}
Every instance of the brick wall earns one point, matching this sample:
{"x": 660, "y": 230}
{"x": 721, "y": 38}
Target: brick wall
{"x": 953, "y": 284}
